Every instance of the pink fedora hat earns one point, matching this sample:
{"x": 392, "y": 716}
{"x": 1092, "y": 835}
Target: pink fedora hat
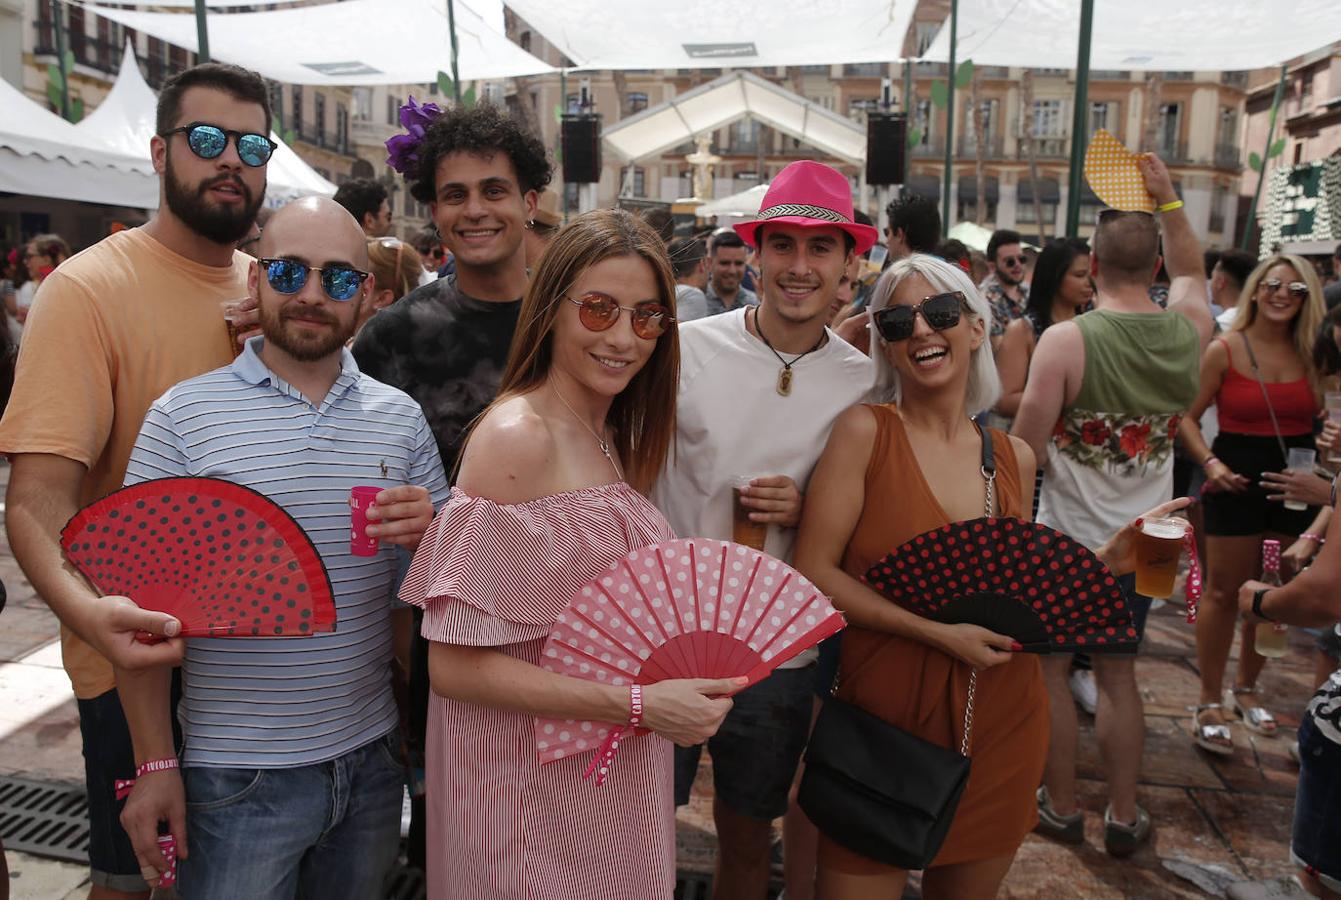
{"x": 810, "y": 194}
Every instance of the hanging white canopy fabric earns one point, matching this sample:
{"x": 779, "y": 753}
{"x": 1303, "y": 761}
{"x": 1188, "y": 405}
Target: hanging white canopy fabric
{"x": 125, "y": 122}
{"x": 361, "y": 42}
{"x": 42, "y": 155}
{"x": 654, "y": 34}
{"x": 1141, "y": 35}
{"x": 723, "y": 101}
{"x": 742, "y": 205}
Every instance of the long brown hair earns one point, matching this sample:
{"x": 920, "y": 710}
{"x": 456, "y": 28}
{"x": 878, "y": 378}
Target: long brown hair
{"x": 643, "y": 414}
{"x": 1306, "y": 322}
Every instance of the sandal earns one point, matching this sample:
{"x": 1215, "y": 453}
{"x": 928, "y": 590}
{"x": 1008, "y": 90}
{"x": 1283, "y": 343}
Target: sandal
{"x": 1213, "y": 737}
{"x": 1255, "y": 718}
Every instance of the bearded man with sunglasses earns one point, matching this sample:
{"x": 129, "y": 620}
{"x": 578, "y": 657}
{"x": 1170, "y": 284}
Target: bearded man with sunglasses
{"x": 1005, "y": 288}
{"x": 292, "y": 766}
{"x": 760, "y": 388}
{"x": 1100, "y": 409}
{"x": 118, "y": 324}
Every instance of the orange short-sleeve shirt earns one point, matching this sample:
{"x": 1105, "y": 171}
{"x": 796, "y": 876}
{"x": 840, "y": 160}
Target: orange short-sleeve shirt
{"x": 109, "y": 332}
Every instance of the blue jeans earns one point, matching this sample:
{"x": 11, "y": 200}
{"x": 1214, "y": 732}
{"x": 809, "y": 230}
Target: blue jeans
{"x": 329, "y": 830}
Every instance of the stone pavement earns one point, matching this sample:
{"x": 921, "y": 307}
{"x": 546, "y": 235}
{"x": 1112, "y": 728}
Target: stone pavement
{"x": 1216, "y": 820}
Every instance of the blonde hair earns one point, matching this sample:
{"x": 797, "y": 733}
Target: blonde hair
{"x": 984, "y": 385}
{"x": 1307, "y": 322}
{"x": 643, "y": 415}
{"x": 395, "y": 264}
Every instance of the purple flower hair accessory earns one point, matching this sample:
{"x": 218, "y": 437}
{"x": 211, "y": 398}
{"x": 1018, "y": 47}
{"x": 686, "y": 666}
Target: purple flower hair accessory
{"x": 403, "y": 149}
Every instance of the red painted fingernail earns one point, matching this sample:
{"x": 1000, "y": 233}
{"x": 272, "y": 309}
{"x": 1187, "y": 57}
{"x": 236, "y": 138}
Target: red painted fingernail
{"x": 1137, "y": 523}
{"x": 1016, "y": 646}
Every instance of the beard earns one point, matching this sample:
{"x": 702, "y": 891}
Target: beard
{"x": 276, "y": 328}
{"x": 218, "y": 224}
{"x": 1006, "y": 279}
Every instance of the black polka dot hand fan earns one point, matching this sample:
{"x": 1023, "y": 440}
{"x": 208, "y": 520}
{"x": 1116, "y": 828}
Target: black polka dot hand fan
{"x": 1016, "y": 578}
{"x": 223, "y": 559}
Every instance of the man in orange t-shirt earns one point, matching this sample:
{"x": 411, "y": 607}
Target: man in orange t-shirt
{"x": 110, "y": 332}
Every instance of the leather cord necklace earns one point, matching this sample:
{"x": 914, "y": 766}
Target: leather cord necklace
{"x": 785, "y": 375}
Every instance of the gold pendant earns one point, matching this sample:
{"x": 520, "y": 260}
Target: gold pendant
{"x": 785, "y": 381}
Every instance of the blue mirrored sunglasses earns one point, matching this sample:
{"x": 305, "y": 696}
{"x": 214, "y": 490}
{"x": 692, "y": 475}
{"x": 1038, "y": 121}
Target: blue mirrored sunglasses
{"x": 287, "y": 276}
{"x": 209, "y": 142}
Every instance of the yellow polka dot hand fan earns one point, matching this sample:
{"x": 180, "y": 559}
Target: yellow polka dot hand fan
{"x": 1112, "y": 173}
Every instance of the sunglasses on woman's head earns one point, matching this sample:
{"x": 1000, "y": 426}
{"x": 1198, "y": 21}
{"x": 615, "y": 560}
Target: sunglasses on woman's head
{"x": 340, "y": 281}
{"x": 599, "y": 312}
{"x": 209, "y": 142}
{"x": 939, "y": 311}
{"x": 1298, "y": 290}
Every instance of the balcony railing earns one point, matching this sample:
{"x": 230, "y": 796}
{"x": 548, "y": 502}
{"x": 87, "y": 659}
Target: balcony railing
{"x": 933, "y": 148}
{"x": 1228, "y": 156}
{"x": 1173, "y": 152}
{"x": 1234, "y": 79}
{"x": 866, "y": 70}
{"x": 1048, "y": 148}
{"x": 968, "y": 146}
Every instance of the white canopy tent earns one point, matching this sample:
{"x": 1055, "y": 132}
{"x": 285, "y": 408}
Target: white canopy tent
{"x": 724, "y": 100}
{"x": 360, "y": 42}
{"x": 744, "y": 205}
{"x": 1141, "y": 35}
{"x": 42, "y": 155}
{"x": 125, "y": 122}
{"x": 654, "y": 34}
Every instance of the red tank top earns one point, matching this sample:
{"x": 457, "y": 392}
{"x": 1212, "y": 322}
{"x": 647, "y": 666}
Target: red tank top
{"x": 1242, "y": 409}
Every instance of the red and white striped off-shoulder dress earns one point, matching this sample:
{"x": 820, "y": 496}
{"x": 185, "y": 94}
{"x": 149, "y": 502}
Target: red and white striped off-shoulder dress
{"x": 500, "y": 825}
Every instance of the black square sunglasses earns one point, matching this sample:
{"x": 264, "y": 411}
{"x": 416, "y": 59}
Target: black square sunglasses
{"x": 939, "y": 311}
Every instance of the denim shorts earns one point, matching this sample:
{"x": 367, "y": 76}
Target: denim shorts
{"x": 326, "y": 830}
{"x": 108, "y": 756}
{"x": 757, "y": 749}
{"x": 1315, "y": 844}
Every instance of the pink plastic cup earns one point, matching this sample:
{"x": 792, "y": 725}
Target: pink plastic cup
{"x": 360, "y": 498}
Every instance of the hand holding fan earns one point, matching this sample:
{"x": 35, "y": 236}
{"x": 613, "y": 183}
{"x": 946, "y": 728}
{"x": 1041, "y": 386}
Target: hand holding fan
{"x": 679, "y": 609}
{"x": 1113, "y": 174}
{"x": 1016, "y": 578}
{"x": 221, "y": 558}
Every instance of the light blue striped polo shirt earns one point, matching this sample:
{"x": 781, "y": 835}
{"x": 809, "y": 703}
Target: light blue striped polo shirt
{"x": 281, "y": 702}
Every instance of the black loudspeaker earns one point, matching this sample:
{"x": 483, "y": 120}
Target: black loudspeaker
{"x": 581, "y": 149}
{"x": 886, "y": 146}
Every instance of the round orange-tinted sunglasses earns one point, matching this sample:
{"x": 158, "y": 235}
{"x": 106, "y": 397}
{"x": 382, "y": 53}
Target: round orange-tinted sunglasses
{"x": 600, "y": 312}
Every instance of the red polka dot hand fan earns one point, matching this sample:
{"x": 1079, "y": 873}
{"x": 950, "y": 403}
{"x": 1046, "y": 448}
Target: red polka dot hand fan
{"x": 1016, "y": 578}
{"x": 223, "y": 559}
{"x": 680, "y": 609}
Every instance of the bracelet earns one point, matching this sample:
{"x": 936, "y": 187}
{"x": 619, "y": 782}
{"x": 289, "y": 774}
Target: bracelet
{"x": 635, "y": 705}
{"x": 1315, "y": 538}
{"x": 1170, "y": 206}
{"x": 157, "y": 765}
{"x": 1208, "y": 460}
{"x": 1258, "y": 596}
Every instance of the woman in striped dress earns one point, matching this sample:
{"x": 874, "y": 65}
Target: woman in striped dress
{"x": 549, "y": 495}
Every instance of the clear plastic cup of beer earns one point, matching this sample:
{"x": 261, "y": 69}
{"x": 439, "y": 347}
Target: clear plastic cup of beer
{"x": 1159, "y": 546}
{"x": 744, "y": 530}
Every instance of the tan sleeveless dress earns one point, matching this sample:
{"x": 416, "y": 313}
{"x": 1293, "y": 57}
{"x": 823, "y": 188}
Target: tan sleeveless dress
{"x": 922, "y": 690}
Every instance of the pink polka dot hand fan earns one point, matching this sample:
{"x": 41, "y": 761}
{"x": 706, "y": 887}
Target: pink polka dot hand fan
{"x": 680, "y": 609}
{"x": 1016, "y": 578}
{"x": 223, "y": 559}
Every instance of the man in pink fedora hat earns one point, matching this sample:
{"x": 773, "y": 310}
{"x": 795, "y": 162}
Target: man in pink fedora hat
{"x": 760, "y": 387}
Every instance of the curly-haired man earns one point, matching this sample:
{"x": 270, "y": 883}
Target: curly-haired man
{"x": 446, "y": 343}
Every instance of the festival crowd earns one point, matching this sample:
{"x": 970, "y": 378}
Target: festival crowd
{"x": 536, "y": 400}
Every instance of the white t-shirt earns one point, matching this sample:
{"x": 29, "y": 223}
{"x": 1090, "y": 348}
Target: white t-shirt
{"x": 732, "y": 421}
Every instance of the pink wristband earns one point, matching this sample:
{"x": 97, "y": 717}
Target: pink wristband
{"x": 635, "y": 705}
{"x": 1209, "y": 460}
{"x": 1315, "y": 538}
{"x": 157, "y": 765}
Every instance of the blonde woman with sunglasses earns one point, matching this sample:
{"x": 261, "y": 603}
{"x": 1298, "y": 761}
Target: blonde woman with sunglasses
{"x": 1263, "y": 382}
{"x": 397, "y": 268}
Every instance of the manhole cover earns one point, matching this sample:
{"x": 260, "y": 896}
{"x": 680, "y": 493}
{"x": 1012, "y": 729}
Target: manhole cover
{"x": 44, "y": 819}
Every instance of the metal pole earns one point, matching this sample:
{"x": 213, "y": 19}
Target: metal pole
{"x": 950, "y": 118}
{"x": 1079, "y": 121}
{"x": 58, "y": 26}
{"x": 451, "y": 27}
{"x": 202, "y": 34}
{"x": 1261, "y": 176}
{"x": 909, "y": 113}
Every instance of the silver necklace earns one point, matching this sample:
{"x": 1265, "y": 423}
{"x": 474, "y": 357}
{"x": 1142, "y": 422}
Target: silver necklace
{"x": 600, "y": 441}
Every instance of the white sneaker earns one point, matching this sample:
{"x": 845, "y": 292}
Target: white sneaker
{"x": 1085, "y": 690}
